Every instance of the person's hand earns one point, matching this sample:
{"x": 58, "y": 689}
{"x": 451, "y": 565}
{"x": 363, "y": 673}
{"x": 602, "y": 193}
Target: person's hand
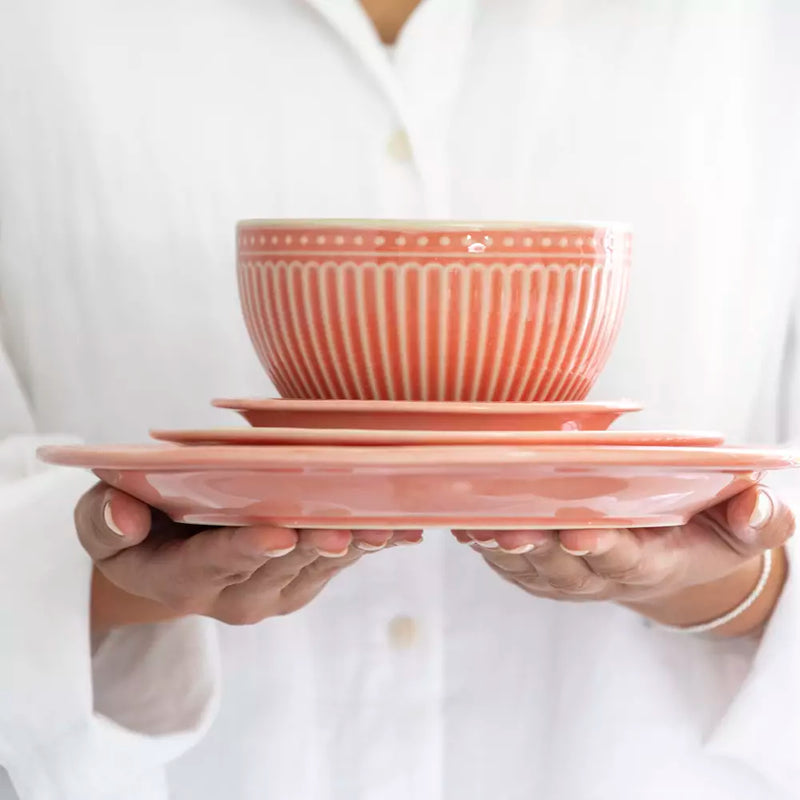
{"x": 676, "y": 576}
{"x": 237, "y": 575}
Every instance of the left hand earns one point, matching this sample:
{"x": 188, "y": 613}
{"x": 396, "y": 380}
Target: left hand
{"x": 676, "y": 576}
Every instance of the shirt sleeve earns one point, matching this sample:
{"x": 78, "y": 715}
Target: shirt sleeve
{"x": 762, "y": 725}
{"x": 73, "y": 725}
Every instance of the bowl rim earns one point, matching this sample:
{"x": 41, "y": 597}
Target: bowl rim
{"x": 456, "y": 225}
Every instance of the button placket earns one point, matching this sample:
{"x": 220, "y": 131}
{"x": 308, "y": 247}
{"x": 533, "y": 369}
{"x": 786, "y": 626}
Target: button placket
{"x": 398, "y": 147}
{"x": 403, "y": 632}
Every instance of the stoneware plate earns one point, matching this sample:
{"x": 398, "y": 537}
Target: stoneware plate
{"x": 388, "y": 437}
{"x": 491, "y": 487}
{"x": 446, "y": 416}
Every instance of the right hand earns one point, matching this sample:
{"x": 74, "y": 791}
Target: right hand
{"x": 237, "y": 575}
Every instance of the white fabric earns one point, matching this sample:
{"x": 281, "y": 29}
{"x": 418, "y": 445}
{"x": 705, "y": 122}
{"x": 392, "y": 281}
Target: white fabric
{"x": 134, "y": 135}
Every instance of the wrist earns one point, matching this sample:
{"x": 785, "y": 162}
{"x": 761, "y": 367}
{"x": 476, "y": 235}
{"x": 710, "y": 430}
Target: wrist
{"x": 704, "y": 602}
{"x": 111, "y": 607}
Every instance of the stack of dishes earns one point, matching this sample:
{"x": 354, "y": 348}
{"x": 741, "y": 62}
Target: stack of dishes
{"x": 432, "y": 375}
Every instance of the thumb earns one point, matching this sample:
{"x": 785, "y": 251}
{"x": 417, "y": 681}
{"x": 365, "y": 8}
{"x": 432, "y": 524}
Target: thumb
{"x": 756, "y": 521}
{"x": 109, "y": 521}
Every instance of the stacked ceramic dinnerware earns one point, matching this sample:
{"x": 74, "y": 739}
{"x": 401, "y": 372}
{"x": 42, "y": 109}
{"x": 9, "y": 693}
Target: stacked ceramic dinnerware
{"x": 431, "y": 375}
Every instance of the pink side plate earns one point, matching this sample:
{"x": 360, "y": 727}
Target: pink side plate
{"x": 388, "y": 437}
{"x": 432, "y": 415}
{"x": 492, "y": 488}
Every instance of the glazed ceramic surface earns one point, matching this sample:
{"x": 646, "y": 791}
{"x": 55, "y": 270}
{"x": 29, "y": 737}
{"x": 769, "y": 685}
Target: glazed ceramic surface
{"x": 411, "y": 487}
{"x": 409, "y": 415}
{"x": 373, "y": 438}
{"x": 433, "y": 311}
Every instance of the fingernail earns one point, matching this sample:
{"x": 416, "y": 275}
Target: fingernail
{"x": 408, "y": 541}
{"x": 762, "y": 511}
{"x": 332, "y": 554}
{"x": 575, "y": 552}
{"x": 370, "y": 548}
{"x": 278, "y": 553}
{"x": 518, "y": 551}
{"x": 108, "y": 518}
{"x": 489, "y": 544}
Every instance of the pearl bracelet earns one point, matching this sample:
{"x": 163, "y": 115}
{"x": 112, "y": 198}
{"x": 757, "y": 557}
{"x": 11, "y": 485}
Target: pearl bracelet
{"x": 704, "y": 627}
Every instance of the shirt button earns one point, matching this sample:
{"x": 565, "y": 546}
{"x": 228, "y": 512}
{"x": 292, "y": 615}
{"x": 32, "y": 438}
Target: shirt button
{"x": 399, "y": 147}
{"x": 403, "y": 633}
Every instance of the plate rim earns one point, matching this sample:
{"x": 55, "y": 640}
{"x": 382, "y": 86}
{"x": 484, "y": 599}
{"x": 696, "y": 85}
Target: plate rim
{"x": 504, "y": 437}
{"x": 427, "y": 406}
{"x": 255, "y": 457}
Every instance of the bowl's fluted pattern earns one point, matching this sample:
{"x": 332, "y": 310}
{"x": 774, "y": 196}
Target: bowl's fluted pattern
{"x": 402, "y": 326}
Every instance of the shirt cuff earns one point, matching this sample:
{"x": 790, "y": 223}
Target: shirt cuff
{"x": 761, "y": 727}
{"x": 72, "y": 726}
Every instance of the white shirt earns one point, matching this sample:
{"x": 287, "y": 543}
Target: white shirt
{"x": 134, "y": 135}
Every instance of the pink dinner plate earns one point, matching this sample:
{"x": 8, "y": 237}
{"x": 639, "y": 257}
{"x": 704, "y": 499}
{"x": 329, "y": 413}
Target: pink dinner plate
{"x": 388, "y": 437}
{"x": 430, "y": 415}
{"x": 480, "y": 487}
